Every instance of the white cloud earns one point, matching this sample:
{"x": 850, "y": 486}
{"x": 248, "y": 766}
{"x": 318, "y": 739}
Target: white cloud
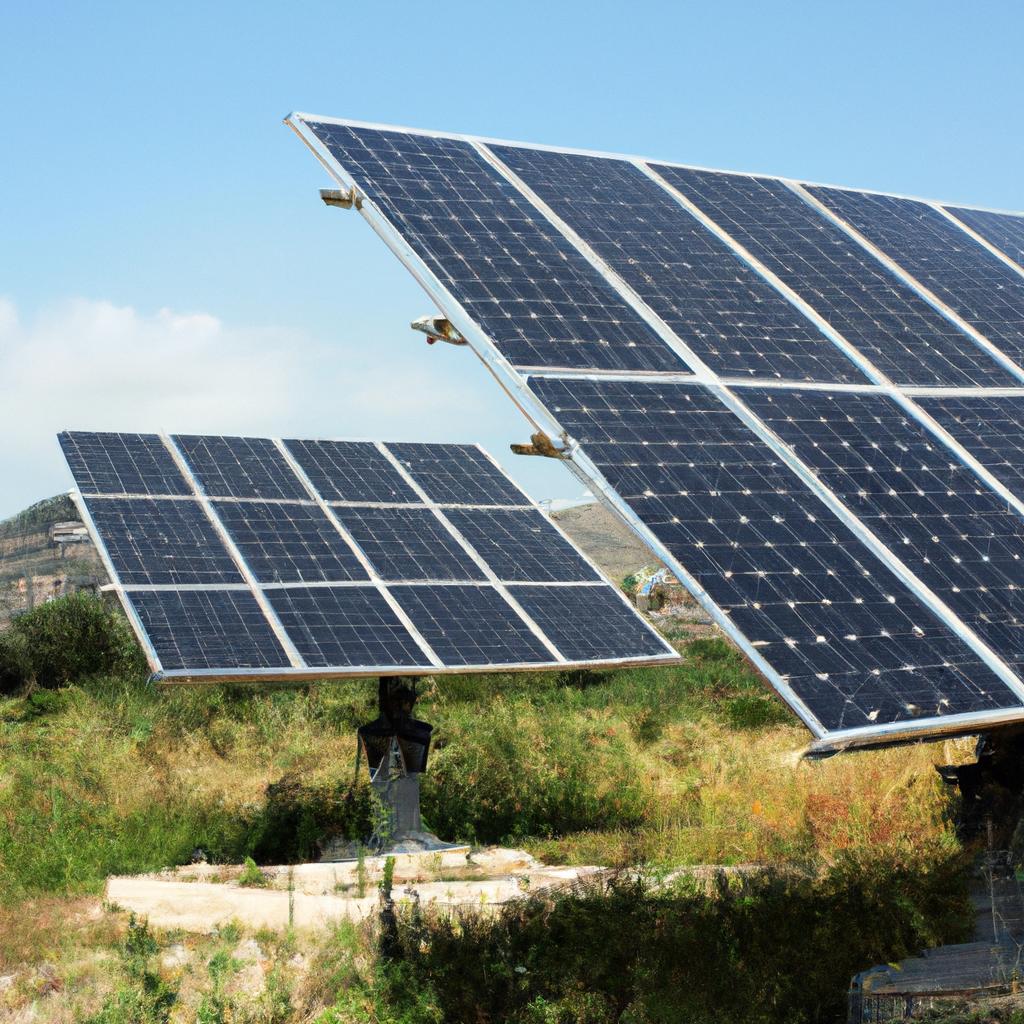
{"x": 91, "y": 365}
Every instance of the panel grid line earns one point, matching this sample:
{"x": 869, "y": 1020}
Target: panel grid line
{"x": 474, "y": 555}
{"x": 908, "y": 279}
{"x": 980, "y": 239}
{"x": 514, "y": 380}
{"x": 365, "y": 562}
{"x": 881, "y": 551}
{"x": 290, "y": 650}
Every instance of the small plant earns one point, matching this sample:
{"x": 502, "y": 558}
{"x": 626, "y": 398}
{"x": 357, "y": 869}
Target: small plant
{"x": 251, "y": 876}
{"x": 216, "y": 1006}
{"x": 146, "y": 998}
{"x": 361, "y": 871}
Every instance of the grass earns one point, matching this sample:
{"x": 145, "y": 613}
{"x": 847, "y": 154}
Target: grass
{"x": 664, "y": 767}
{"x": 649, "y": 765}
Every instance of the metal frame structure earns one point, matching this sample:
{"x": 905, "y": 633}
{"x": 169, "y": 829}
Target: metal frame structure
{"x": 300, "y": 671}
{"x": 515, "y": 382}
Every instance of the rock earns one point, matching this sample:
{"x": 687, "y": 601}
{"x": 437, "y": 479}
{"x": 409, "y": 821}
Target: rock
{"x": 6, "y": 981}
{"x": 250, "y": 980}
{"x": 248, "y": 952}
{"x": 174, "y": 957}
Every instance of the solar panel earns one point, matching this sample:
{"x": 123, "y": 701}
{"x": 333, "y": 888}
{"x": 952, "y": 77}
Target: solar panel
{"x": 804, "y": 430}
{"x": 870, "y": 307}
{"x": 713, "y": 301}
{"x": 1005, "y": 231}
{"x": 319, "y": 559}
{"x": 972, "y": 282}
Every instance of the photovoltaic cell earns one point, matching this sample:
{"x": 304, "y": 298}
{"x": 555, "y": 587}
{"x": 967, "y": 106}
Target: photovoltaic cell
{"x": 240, "y": 467}
{"x": 1003, "y": 230}
{"x": 122, "y": 464}
{"x": 847, "y": 636}
{"x": 350, "y": 471}
{"x": 887, "y": 321}
{"x": 208, "y": 629}
{"x": 990, "y": 427}
{"x": 724, "y": 311}
{"x": 289, "y": 543}
{"x": 409, "y": 544}
{"x": 458, "y": 474}
{"x": 350, "y": 626}
{"x": 533, "y": 293}
{"x": 954, "y": 533}
{"x": 468, "y": 625}
{"x": 583, "y": 622}
{"x": 976, "y": 285}
{"x": 521, "y": 545}
{"x": 153, "y": 541}
{"x": 256, "y": 566}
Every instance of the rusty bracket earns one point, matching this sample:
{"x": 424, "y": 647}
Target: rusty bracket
{"x": 540, "y": 444}
{"x": 343, "y": 198}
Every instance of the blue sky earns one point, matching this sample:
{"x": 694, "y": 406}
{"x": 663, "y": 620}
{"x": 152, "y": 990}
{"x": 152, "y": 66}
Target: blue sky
{"x": 165, "y": 262}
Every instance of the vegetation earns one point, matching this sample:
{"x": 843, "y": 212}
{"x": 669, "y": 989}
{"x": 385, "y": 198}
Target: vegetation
{"x": 39, "y": 516}
{"x": 655, "y": 768}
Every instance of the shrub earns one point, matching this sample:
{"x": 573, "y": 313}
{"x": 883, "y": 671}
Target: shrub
{"x": 65, "y": 641}
{"x": 752, "y": 950}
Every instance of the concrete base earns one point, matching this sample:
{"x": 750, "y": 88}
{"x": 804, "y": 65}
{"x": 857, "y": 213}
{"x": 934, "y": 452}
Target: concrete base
{"x": 201, "y": 897}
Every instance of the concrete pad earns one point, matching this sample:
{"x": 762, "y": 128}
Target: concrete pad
{"x": 202, "y": 897}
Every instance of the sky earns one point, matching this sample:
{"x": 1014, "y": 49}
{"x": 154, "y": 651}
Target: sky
{"x": 165, "y": 262}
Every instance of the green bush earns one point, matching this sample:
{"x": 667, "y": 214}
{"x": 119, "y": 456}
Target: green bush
{"x": 754, "y": 950}
{"x": 65, "y": 641}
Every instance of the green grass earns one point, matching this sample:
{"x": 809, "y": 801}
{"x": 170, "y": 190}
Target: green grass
{"x": 663, "y": 767}
{"x": 689, "y": 764}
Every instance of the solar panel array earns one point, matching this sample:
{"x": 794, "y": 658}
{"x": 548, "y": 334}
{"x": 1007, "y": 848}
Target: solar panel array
{"x": 809, "y": 400}
{"x": 246, "y": 558}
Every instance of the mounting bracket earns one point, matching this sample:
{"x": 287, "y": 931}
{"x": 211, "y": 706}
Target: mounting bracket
{"x": 438, "y": 328}
{"x": 540, "y": 444}
{"x": 343, "y": 198}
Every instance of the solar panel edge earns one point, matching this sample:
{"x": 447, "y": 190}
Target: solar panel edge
{"x": 997, "y": 249}
{"x": 297, "y": 119}
{"x": 150, "y": 652}
{"x": 272, "y": 620}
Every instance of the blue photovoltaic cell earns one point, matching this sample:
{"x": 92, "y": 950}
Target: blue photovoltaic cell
{"x": 976, "y": 285}
{"x": 285, "y": 542}
{"x": 730, "y": 316}
{"x": 527, "y": 287}
{"x": 314, "y": 565}
{"x": 886, "y": 320}
{"x": 468, "y": 625}
{"x": 849, "y": 638}
{"x": 121, "y": 464}
{"x": 408, "y": 544}
{"x": 207, "y": 629}
{"x": 521, "y": 545}
{"x": 153, "y": 541}
{"x": 991, "y": 428}
{"x": 1003, "y": 230}
{"x": 240, "y": 467}
{"x": 350, "y": 626}
{"x": 585, "y": 623}
{"x": 954, "y": 533}
{"x": 350, "y": 471}
{"x": 458, "y": 474}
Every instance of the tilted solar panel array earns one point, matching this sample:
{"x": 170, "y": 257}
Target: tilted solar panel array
{"x": 808, "y": 399}
{"x": 242, "y": 558}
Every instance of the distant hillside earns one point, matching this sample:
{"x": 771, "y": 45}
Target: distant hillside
{"x": 33, "y": 567}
